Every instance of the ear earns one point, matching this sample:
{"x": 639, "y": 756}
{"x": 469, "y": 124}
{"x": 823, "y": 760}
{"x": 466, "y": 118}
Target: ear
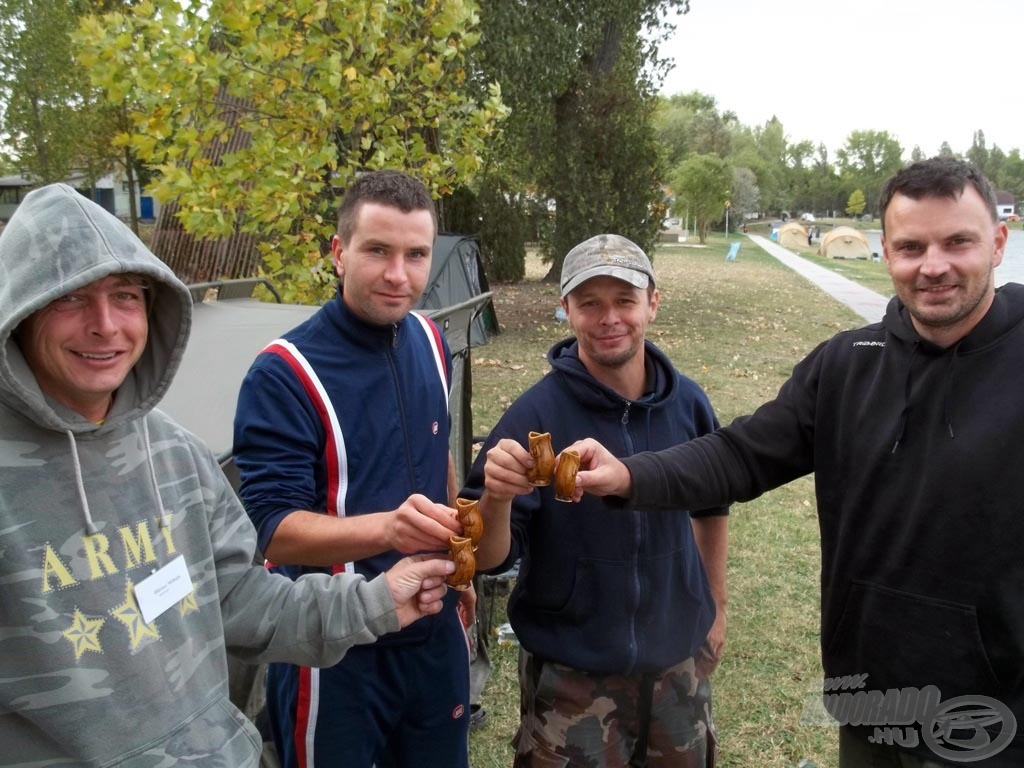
{"x": 655, "y": 301}
{"x": 336, "y": 255}
{"x": 1002, "y": 233}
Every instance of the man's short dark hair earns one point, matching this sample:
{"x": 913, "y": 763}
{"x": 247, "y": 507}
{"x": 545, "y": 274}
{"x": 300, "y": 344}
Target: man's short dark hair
{"x": 392, "y": 188}
{"x": 937, "y": 177}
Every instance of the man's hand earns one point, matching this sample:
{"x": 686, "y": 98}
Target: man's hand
{"x": 417, "y": 586}
{"x": 600, "y": 473}
{"x": 710, "y": 653}
{"x": 505, "y": 471}
{"x": 420, "y": 525}
{"x": 466, "y": 606}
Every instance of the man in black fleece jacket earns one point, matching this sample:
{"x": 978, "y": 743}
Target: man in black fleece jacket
{"x": 914, "y": 429}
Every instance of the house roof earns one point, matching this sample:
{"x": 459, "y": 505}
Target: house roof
{"x": 1004, "y": 198}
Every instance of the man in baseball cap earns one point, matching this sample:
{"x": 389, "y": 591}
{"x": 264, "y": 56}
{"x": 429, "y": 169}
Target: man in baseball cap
{"x": 611, "y": 670}
{"x": 609, "y": 255}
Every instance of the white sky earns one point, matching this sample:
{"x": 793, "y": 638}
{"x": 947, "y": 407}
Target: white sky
{"x": 926, "y": 71}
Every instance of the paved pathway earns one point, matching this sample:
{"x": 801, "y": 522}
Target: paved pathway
{"x": 863, "y": 301}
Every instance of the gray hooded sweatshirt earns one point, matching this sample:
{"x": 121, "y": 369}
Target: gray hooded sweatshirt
{"x": 88, "y": 511}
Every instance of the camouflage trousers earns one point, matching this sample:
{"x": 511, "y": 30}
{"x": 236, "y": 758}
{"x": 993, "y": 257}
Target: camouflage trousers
{"x": 574, "y": 719}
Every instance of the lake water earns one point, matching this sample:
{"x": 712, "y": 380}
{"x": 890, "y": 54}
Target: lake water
{"x": 1010, "y": 271}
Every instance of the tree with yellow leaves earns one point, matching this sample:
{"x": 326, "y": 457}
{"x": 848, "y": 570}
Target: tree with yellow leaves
{"x": 322, "y": 89}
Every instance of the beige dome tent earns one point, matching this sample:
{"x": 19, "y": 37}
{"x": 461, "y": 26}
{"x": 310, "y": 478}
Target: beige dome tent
{"x": 844, "y": 243}
{"x": 793, "y": 236}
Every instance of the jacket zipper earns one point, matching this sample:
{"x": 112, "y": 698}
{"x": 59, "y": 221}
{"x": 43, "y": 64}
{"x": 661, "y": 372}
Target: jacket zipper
{"x": 633, "y": 649}
{"x": 401, "y": 405}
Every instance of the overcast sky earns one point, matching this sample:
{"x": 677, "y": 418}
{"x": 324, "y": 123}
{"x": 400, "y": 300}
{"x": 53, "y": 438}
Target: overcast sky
{"x": 926, "y": 71}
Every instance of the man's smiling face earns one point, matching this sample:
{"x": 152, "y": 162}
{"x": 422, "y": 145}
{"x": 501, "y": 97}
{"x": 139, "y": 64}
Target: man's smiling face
{"x": 82, "y": 345}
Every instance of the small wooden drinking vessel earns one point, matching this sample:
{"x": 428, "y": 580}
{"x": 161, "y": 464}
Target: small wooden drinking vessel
{"x": 565, "y": 475}
{"x": 543, "y": 458}
{"x": 460, "y": 550}
{"x": 468, "y": 513}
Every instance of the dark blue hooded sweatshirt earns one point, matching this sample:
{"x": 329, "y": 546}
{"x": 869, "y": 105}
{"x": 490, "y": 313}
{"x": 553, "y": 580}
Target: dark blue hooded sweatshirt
{"x": 604, "y": 588}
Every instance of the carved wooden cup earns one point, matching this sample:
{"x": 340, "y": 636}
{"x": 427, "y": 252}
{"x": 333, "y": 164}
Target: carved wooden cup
{"x": 468, "y": 512}
{"x": 461, "y": 553}
{"x": 543, "y": 458}
{"x": 565, "y": 475}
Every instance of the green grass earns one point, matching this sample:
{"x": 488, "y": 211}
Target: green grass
{"x": 737, "y": 328}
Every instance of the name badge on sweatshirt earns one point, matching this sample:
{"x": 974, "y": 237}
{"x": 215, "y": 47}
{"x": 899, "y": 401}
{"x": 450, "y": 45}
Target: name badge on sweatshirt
{"x": 164, "y": 588}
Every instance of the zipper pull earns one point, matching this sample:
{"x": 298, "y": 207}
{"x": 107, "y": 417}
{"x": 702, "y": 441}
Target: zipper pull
{"x": 394, "y": 336}
{"x": 625, "y": 413}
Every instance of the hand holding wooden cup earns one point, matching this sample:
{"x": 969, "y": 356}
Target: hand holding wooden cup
{"x": 468, "y": 513}
{"x": 461, "y": 553}
{"x": 565, "y": 475}
{"x": 543, "y": 458}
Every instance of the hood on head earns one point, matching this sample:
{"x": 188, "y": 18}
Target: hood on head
{"x": 58, "y": 241}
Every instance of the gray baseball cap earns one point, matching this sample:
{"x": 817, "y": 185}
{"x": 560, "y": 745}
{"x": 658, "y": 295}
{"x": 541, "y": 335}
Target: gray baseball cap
{"x": 611, "y": 255}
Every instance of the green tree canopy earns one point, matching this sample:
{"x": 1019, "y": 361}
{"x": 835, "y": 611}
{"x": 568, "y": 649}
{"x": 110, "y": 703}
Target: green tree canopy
{"x": 53, "y": 121}
{"x": 867, "y": 159}
{"x": 745, "y": 196}
{"x": 701, "y": 183}
{"x": 580, "y": 78}
{"x": 856, "y": 203}
{"x": 321, "y": 90}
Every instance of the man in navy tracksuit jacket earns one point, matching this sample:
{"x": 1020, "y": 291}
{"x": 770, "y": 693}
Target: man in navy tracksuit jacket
{"x": 341, "y": 439}
{"x": 611, "y": 607}
{"x": 914, "y": 429}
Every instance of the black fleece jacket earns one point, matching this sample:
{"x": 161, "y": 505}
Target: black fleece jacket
{"x": 918, "y": 458}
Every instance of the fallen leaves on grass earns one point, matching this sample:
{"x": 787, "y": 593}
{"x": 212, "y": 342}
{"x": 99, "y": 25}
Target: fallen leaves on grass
{"x": 490, "y": 362}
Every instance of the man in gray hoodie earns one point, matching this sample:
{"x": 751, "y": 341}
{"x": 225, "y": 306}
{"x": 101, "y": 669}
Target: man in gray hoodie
{"x": 125, "y": 559}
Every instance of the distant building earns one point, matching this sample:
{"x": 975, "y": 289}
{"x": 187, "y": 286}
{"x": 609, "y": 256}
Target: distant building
{"x": 1004, "y": 204}
{"x": 12, "y": 191}
{"x": 110, "y": 192}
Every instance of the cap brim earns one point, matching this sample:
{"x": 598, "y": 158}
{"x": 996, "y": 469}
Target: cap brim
{"x": 631, "y": 276}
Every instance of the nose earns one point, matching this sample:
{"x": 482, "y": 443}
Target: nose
{"x": 935, "y": 262}
{"x": 610, "y": 316}
{"x": 395, "y": 272}
{"x": 99, "y": 319}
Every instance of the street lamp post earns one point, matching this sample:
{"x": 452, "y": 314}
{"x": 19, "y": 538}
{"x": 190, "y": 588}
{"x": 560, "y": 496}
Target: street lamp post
{"x": 728, "y": 204}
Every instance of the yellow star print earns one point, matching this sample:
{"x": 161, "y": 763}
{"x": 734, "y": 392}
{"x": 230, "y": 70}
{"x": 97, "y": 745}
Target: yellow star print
{"x": 128, "y": 614}
{"x": 188, "y": 604}
{"x": 83, "y": 634}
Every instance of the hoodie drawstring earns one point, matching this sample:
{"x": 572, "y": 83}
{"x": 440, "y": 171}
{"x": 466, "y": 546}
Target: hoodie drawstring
{"x": 947, "y": 389}
{"x": 164, "y": 522}
{"x": 90, "y": 526}
{"x": 902, "y": 424}
{"x": 950, "y": 377}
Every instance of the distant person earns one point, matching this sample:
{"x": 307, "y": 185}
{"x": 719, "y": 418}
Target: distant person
{"x": 126, "y": 570}
{"x": 341, "y": 440}
{"x": 913, "y": 429}
{"x": 620, "y": 624}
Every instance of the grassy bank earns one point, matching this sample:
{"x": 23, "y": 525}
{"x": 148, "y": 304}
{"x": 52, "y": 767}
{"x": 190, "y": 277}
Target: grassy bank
{"x": 737, "y": 328}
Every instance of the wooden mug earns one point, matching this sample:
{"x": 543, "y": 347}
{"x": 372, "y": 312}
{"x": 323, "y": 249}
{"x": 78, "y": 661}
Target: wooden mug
{"x": 460, "y": 551}
{"x": 543, "y": 458}
{"x": 468, "y": 513}
{"x": 565, "y": 475}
